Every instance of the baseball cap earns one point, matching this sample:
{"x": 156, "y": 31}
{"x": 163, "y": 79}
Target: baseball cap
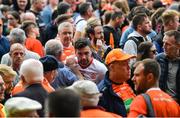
{"x": 49, "y": 63}
{"x": 117, "y": 55}
{"x": 20, "y": 104}
{"x": 84, "y": 87}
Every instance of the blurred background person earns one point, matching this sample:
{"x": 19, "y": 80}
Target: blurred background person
{"x": 8, "y": 75}
{"x": 21, "y": 6}
{"x": 2, "y": 90}
{"x": 32, "y": 33}
{"x": 14, "y": 20}
{"x": 4, "y": 42}
{"x": 62, "y": 103}
{"x": 146, "y": 50}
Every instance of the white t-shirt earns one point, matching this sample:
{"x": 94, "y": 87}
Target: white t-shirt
{"x": 95, "y": 71}
{"x": 80, "y": 23}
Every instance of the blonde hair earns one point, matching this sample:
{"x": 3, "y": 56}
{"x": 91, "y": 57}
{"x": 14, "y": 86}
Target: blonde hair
{"x": 123, "y": 5}
{"x": 91, "y": 23}
{"x": 168, "y": 16}
{"x": 7, "y": 71}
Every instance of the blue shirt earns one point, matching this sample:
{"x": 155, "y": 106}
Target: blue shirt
{"x": 4, "y": 46}
{"x": 64, "y": 78}
{"x": 47, "y": 14}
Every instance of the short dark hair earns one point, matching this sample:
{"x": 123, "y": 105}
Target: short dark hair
{"x": 81, "y": 43}
{"x": 151, "y": 66}
{"x": 138, "y": 10}
{"x": 63, "y": 103}
{"x": 16, "y": 15}
{"x": 84, "y": 7}
{"x": 143, "y": 50}
{"x": 138, "y": 19}
{"x": 63, "y": 7}
{"x": 116, "y": 14}
{"x": 62, "y": 18}
{"x": 174, "y": 33}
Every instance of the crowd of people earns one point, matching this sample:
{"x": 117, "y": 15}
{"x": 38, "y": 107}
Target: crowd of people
{"x": 89, "y": 58}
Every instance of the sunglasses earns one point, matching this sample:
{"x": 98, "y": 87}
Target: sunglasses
{"x": 154, "y": 51}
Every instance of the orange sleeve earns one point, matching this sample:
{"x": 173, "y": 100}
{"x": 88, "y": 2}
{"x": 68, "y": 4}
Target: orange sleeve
{"x": 18, "y": 88}
{"x": 35, "y": 46}
{"x": 38, "y": 48}
{"x": 138, "y": 107}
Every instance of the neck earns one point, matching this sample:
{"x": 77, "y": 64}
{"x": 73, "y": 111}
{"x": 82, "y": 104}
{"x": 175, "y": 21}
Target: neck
{"x": 15, "y": 67}
{"x": 85, "y": 17}
{"x": 111, "y": 23}
{"x": 34, "y": 10}
{"x": 166, "y": 28}
{"x": 32, "y": 35}
{"x": 115, "y": 79}
{"x": 142, "y": 34}
{"x": 53, "y": 6}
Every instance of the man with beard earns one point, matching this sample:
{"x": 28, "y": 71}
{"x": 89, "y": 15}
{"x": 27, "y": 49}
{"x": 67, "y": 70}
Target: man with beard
{"x": 94, "y": 31}
{"x": 89, "y": 67}
{"x": 146, "y": 77}
{"x": 170, "y": 64}
{"x": 142, "y": 26}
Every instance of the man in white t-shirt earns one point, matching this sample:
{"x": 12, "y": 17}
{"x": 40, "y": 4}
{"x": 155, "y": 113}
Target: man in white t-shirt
{"x": 89, "y": 67}
{"x": 86, "y": 12}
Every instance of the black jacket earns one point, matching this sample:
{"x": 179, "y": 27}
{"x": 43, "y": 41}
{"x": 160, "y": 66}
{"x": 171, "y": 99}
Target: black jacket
{"x": 35, "y": 92}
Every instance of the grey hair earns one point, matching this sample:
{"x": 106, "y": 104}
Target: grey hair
{"x": 17, "y": 35}
{"x": 64, "y": 24}
{"x": 53, "y": 47}
{"x": 32, "y": 70}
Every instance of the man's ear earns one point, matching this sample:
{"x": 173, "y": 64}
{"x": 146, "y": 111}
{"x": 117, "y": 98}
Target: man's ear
{"x": 22, "y": 78}
{"x": 91, "y": 36}
{"x": 150, "y": 78}
{"x": 139, "y": 27}
{"x": 10, "y": 54}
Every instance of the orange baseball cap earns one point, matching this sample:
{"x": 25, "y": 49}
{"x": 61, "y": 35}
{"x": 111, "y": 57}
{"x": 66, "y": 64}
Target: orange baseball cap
{"x": 117, "y": 55}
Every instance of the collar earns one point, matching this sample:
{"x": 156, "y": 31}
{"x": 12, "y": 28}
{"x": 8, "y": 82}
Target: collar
{"x": 154, "y": 88}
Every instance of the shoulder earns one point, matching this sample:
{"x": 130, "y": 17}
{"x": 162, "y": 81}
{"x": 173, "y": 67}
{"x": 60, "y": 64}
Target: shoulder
{"x": 160, "y": 57}
{"x": 100, "y": 66}
{"x": 30, "y": 54}
{"x": 138, "y": 107}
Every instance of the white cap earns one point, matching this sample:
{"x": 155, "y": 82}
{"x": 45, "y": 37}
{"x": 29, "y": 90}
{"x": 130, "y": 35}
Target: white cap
{"x": 85, "y": 87}
{"x": 20, "y": 104}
